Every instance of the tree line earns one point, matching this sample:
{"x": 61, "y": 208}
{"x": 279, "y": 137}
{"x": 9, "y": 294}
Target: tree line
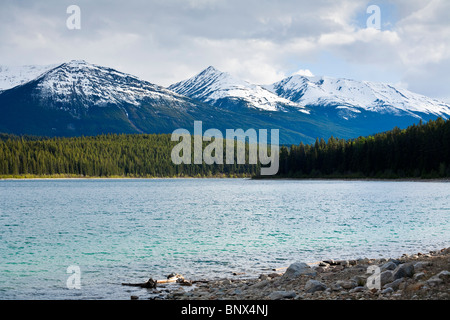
{"x": 112, "y": 155}
{"x": 419, "y": 151}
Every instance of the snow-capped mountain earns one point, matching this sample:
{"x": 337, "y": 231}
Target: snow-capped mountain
{"x": 93, "y": 85}
{"x": 78, "y": 98}
{"x": 351, "y": 97}
{"x": 222, "y": 89}
{"x": 11, "y": 76}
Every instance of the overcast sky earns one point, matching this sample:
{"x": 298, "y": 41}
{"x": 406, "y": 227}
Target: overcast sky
{"x": 260, "y": 41}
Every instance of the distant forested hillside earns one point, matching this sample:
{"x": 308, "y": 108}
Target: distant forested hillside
{"x": 420, "y": 151}
{"x": 133, "y": 155}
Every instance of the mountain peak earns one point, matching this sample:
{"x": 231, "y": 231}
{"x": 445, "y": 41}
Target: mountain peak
{"x": 77, "y": 63}
{"x": 212, "y": 72}
{"x": 355, "y": 96}
{"x": 221, "y": 88}
{"x": 211, "y": 69}
{"x": 94, "y": 85}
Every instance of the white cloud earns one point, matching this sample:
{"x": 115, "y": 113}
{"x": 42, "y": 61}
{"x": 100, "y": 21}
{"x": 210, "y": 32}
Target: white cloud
{"x": 258, "y": 40}
{"x": 304, "y": 72}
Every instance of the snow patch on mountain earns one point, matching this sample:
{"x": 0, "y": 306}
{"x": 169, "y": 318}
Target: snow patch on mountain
{"x": 356, "y": 95}
{"x": 99, "y": 86}
{"x": 211, "y": 85}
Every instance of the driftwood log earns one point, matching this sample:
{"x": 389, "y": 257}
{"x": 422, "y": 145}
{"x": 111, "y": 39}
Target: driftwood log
{"x": 171, "y": 278}
{"x": 150, "y": 284}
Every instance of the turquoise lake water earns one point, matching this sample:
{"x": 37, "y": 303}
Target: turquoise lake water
{"x": 128, "y": 230}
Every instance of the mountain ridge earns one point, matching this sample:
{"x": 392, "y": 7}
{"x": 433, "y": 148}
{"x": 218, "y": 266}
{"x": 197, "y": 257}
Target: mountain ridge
{"x": 212, "y": 85}
{"x": 78, "y": 98}
{"x": 12, "y": 76}
{"x": 356, "y": 95}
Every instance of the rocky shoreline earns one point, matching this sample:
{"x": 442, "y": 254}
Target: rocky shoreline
{"x": 422, "y": 276}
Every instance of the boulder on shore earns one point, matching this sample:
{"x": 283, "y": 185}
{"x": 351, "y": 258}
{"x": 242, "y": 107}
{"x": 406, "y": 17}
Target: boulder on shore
{"x": 404, "y": 270}
{"x": 313, "y": 285}
{"x": 298, "y": 269}
{"x": 278, "y": 295}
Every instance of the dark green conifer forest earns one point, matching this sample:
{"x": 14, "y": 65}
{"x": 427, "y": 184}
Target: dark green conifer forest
{"x": 132, "y": 155}
{"x": 419, "y": 151}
